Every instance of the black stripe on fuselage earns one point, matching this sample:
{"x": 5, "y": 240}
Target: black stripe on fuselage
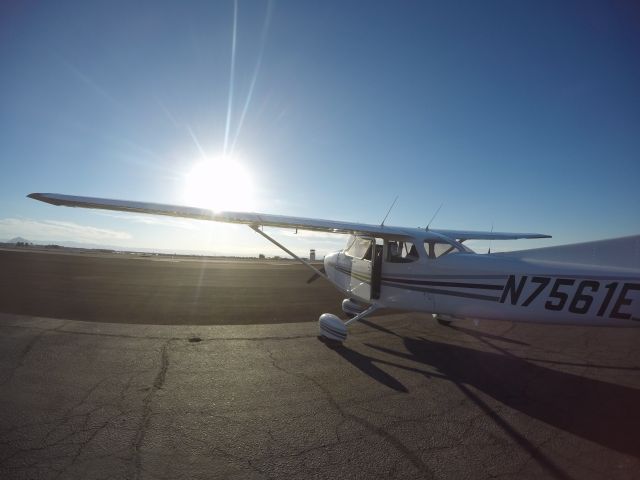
{"x": 358, "y": 276}
{"x": 433, "y": 283}
{"x": 419, "y": 288}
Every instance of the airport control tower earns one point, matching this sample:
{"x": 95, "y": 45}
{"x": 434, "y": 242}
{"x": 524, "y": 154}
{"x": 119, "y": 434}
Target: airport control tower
{"x": 312, "y": 255}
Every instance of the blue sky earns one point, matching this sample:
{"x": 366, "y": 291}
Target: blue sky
{"x": 524, "y": 115}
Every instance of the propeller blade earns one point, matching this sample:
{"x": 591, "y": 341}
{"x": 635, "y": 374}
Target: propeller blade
{"x": 315, "y": 276}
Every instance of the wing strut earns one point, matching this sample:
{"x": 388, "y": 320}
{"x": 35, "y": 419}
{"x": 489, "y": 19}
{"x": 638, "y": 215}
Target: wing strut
{"x": 255, "y": 228}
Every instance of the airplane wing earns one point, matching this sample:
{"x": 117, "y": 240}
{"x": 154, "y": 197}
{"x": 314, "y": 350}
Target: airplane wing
{"x": 260, "y": 219}
{"x": 475, "y": 235}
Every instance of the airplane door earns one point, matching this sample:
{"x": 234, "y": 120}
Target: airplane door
{"x": 361, "y": 268}
{"x": 404, "y": 263}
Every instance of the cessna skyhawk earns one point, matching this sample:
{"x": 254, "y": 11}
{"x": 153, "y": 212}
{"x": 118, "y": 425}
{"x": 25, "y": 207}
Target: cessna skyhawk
{"x": 429, "y": 270}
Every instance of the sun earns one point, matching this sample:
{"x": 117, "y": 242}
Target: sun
{"x": 219, "y": 184}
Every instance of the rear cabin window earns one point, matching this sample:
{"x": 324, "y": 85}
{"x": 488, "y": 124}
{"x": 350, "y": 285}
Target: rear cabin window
{"x": 439, "y": 249}
{"x": 401, "y": 252}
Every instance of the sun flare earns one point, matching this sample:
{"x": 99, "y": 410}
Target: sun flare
{"x": 219, "y": 184}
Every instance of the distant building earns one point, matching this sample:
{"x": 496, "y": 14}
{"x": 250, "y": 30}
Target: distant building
{"x": 312, "y": 255}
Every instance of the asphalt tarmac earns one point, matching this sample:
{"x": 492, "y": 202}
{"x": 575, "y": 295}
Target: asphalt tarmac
{"x": 405, "y": 397}
{"x": 125, "y": 288}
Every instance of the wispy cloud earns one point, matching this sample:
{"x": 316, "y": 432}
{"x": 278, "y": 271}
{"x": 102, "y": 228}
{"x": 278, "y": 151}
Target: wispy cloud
{"x": 169, "y": 115}
{"x": 89, "y": 82}
{"x": 50, "y": 230}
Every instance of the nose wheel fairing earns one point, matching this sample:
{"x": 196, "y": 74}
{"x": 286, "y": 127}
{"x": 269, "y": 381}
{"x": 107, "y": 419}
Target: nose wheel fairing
{"x": 334, "y": 329}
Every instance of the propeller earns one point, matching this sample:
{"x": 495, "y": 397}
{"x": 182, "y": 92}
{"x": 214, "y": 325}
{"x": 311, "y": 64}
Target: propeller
{"x": 315, "y": 276}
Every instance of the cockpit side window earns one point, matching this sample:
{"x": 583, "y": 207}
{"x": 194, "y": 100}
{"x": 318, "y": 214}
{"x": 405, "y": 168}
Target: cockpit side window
{"x": 399, "y": 251}
{"x": 437, "y": 249}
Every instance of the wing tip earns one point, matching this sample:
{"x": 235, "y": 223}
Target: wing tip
{"x": 37, "y": 196}
{"x": 44, "y": 197}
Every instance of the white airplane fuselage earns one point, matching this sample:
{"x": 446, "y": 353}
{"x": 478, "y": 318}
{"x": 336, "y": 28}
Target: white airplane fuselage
{"x": 493, "y": 286}
{"x": 430, "y": 270}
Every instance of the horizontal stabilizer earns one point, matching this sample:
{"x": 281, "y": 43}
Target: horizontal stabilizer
{"x": 623, "y": 252}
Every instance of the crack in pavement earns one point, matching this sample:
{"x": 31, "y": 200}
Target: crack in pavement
{"x": 141, "y": 431}
{"x": 379, "y": 431}
{"x": 71, "y": 432}
{"x": 546, "y": 463}
{"x": 310, "y": 419}
{"x": 27, "y": 348}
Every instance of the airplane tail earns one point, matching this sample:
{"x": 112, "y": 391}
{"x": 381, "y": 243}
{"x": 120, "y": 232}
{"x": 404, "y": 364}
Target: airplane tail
{"x": 622, "y": 252}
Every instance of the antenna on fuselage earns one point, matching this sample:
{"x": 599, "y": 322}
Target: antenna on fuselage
{"x": 489, "y": 251}
{"x": 434, "y": 217}
{"x": 389, "y": 211}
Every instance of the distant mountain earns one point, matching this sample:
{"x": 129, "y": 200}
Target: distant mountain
{"x": 18, "y": 240}
{"x": 99, "y": 246}
{"x": 72, "y": 244}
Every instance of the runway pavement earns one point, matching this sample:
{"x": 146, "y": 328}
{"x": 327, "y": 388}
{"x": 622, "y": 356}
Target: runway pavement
{"x": 405, "y": 397}
{"x": 160, "y": 290}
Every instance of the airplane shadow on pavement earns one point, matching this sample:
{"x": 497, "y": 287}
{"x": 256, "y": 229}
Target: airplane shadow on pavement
{"x": 601, "y": 412}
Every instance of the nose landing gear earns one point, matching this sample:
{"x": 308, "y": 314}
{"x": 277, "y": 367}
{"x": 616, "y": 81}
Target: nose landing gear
{"x": 332, "y": 328}
{"x": 335, "y": 330}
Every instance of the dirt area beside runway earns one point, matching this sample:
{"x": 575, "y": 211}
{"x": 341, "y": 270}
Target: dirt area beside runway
{"x": 160, "y": 290}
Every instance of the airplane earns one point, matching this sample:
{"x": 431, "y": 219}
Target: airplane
{"x": 431, "y": 270}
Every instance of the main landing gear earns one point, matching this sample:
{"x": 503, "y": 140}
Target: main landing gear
{"x": 334, "y": 330}
{"x": 446, "y": 320}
